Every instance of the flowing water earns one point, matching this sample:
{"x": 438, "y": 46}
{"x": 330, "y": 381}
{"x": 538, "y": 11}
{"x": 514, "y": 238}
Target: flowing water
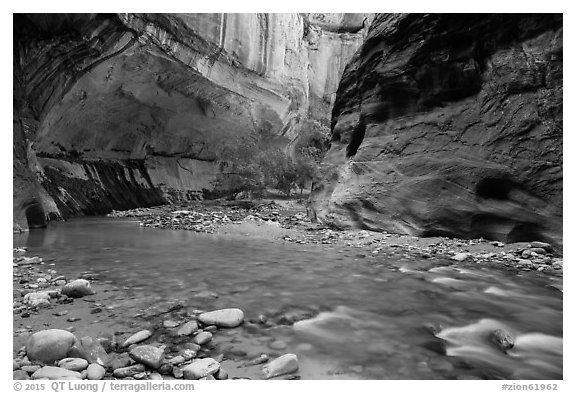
{"x": 374, "y": 315}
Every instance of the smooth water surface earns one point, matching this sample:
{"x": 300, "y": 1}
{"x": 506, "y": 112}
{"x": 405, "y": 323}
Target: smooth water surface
{"x": 373, "y": 311}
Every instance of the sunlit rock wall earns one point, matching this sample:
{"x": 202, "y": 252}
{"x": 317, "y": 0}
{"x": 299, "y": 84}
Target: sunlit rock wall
{"x": 142, "y": 102}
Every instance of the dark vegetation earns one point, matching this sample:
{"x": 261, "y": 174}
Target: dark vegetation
{"x": 250, "y": 168}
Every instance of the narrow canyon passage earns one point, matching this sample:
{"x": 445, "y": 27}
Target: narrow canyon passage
{"x": 289, "y": 196}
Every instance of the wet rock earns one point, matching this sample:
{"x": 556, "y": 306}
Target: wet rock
{"x": 221, "y": 374}
{"x": 200, "y": 368}
{"x": 168, "y": 324}
{"x": 165, "y": 369}
{"x": 137, "y": 338}
{"x": 155, "y": 377}
{"x": 129, "y": 371}
{"x": 95, "y": 372}
{"x": 49, "y": 345}
{"x": 188, "y": 328}
{"x": 23, "y": 261}
{"x": 502, "y": 339}
{"x": 91, "y": 350}
{"x": 203, "y": 338}
{"x": 15, "y": 365}
{"x": 30, "y": 369}
{"x": 119, "y": 360}
{"x": 148, "y": 355}
{"x": 55, "y": 373}
{"x": 545, "y": 246}
{"x": 73, "y": 364}
{"x": 37, "y": 299}
{"x": 176, "y": 360}
{"x": 558, "y": 265}
{"x": 177, "y": 372}
{"x": 208, "y": 378}
{"x": 526, "y": 254}
{"x": 259, "y": 360}
{"x": 20, "y": 375}
{"x": 538, "y": 250}
{"x": 461, "y": 256}
{"x": 277, "y": 345}
{"x": 229, "y": 317}
{"x": 77, "y": 288}
{"x": 285, "y": 364}
{"x": 107, "y": 341}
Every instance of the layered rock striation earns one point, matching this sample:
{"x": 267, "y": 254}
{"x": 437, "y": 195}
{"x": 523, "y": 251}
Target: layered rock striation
{"x": 127, "y": 110}
{"x": 449, "y": 125}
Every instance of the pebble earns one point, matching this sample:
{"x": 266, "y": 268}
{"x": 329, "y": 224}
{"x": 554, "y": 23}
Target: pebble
{"x": 168, "y": 324}
{"x": 49, "y": 345}
{"x": 20, "y": 375}
{"x": 148, "y": 355}
{"x": 461, "y": 256}
{"x": 545, "y": 246}
{"x": 129, "y": 371}
{"x": 200, "y": 368}
{"x": 55, "y": 373}
{"x": 285, "y": 364}
{"x": 91, "y": 350}
{"x": 155, "y": 377}
{"x": 95, "y": 372}
{"x": 120, "y": 360}
{"x": 229, "y": 317}
{"x": 77, "y": 288}
{"x": 37, "y": 299}
{"x": 30, "y": 369}
{"x": 73, "y": 364}
{"x": 176, "y": 360}
{"x": 202, "y": 338}
{"x": 188, "y": 328}
{"x": 137, "y": 338}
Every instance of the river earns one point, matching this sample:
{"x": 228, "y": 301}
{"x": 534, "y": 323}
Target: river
{"x": 373, "y": 316}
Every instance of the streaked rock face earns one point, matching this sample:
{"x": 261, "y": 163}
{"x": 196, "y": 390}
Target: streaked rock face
{"x": 449, "y": 125}
{"x": 127, "y": 110}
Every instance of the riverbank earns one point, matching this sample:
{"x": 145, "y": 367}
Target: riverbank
{"x": 287, "y": 221}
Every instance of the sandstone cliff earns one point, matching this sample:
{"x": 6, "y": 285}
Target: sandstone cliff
{"x": 127, "y": 110}
{"x": 449, "y": 125}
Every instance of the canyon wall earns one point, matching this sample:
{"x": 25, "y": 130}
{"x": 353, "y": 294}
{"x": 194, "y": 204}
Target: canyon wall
{"x": 448, "y": 124}
{"x": 127, "y": 110}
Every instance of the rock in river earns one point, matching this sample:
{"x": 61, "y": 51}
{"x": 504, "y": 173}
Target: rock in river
{"x": 203, "y": 338}
{"x": 188, "y": 328}
{"x": 50, "y": 372}
{"x": 49, "y": 345}
{"x": 201, "y": 368}
{"x": 137, "y": 337}
{"x": 502, "y": 339}
{"x": 285, "y": 364}
{"x": 78, "y": 288}
{"x": 229, "y": 317}
{"x": 148, "y": 355}
{"x": 89, "y": 349}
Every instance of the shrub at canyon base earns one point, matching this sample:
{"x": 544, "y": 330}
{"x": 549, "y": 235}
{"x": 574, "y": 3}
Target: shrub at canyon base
{"x": 247, "y": 167}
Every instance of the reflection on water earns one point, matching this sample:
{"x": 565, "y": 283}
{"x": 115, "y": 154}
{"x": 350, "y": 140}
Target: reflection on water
{"x": 373, "y": 310}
